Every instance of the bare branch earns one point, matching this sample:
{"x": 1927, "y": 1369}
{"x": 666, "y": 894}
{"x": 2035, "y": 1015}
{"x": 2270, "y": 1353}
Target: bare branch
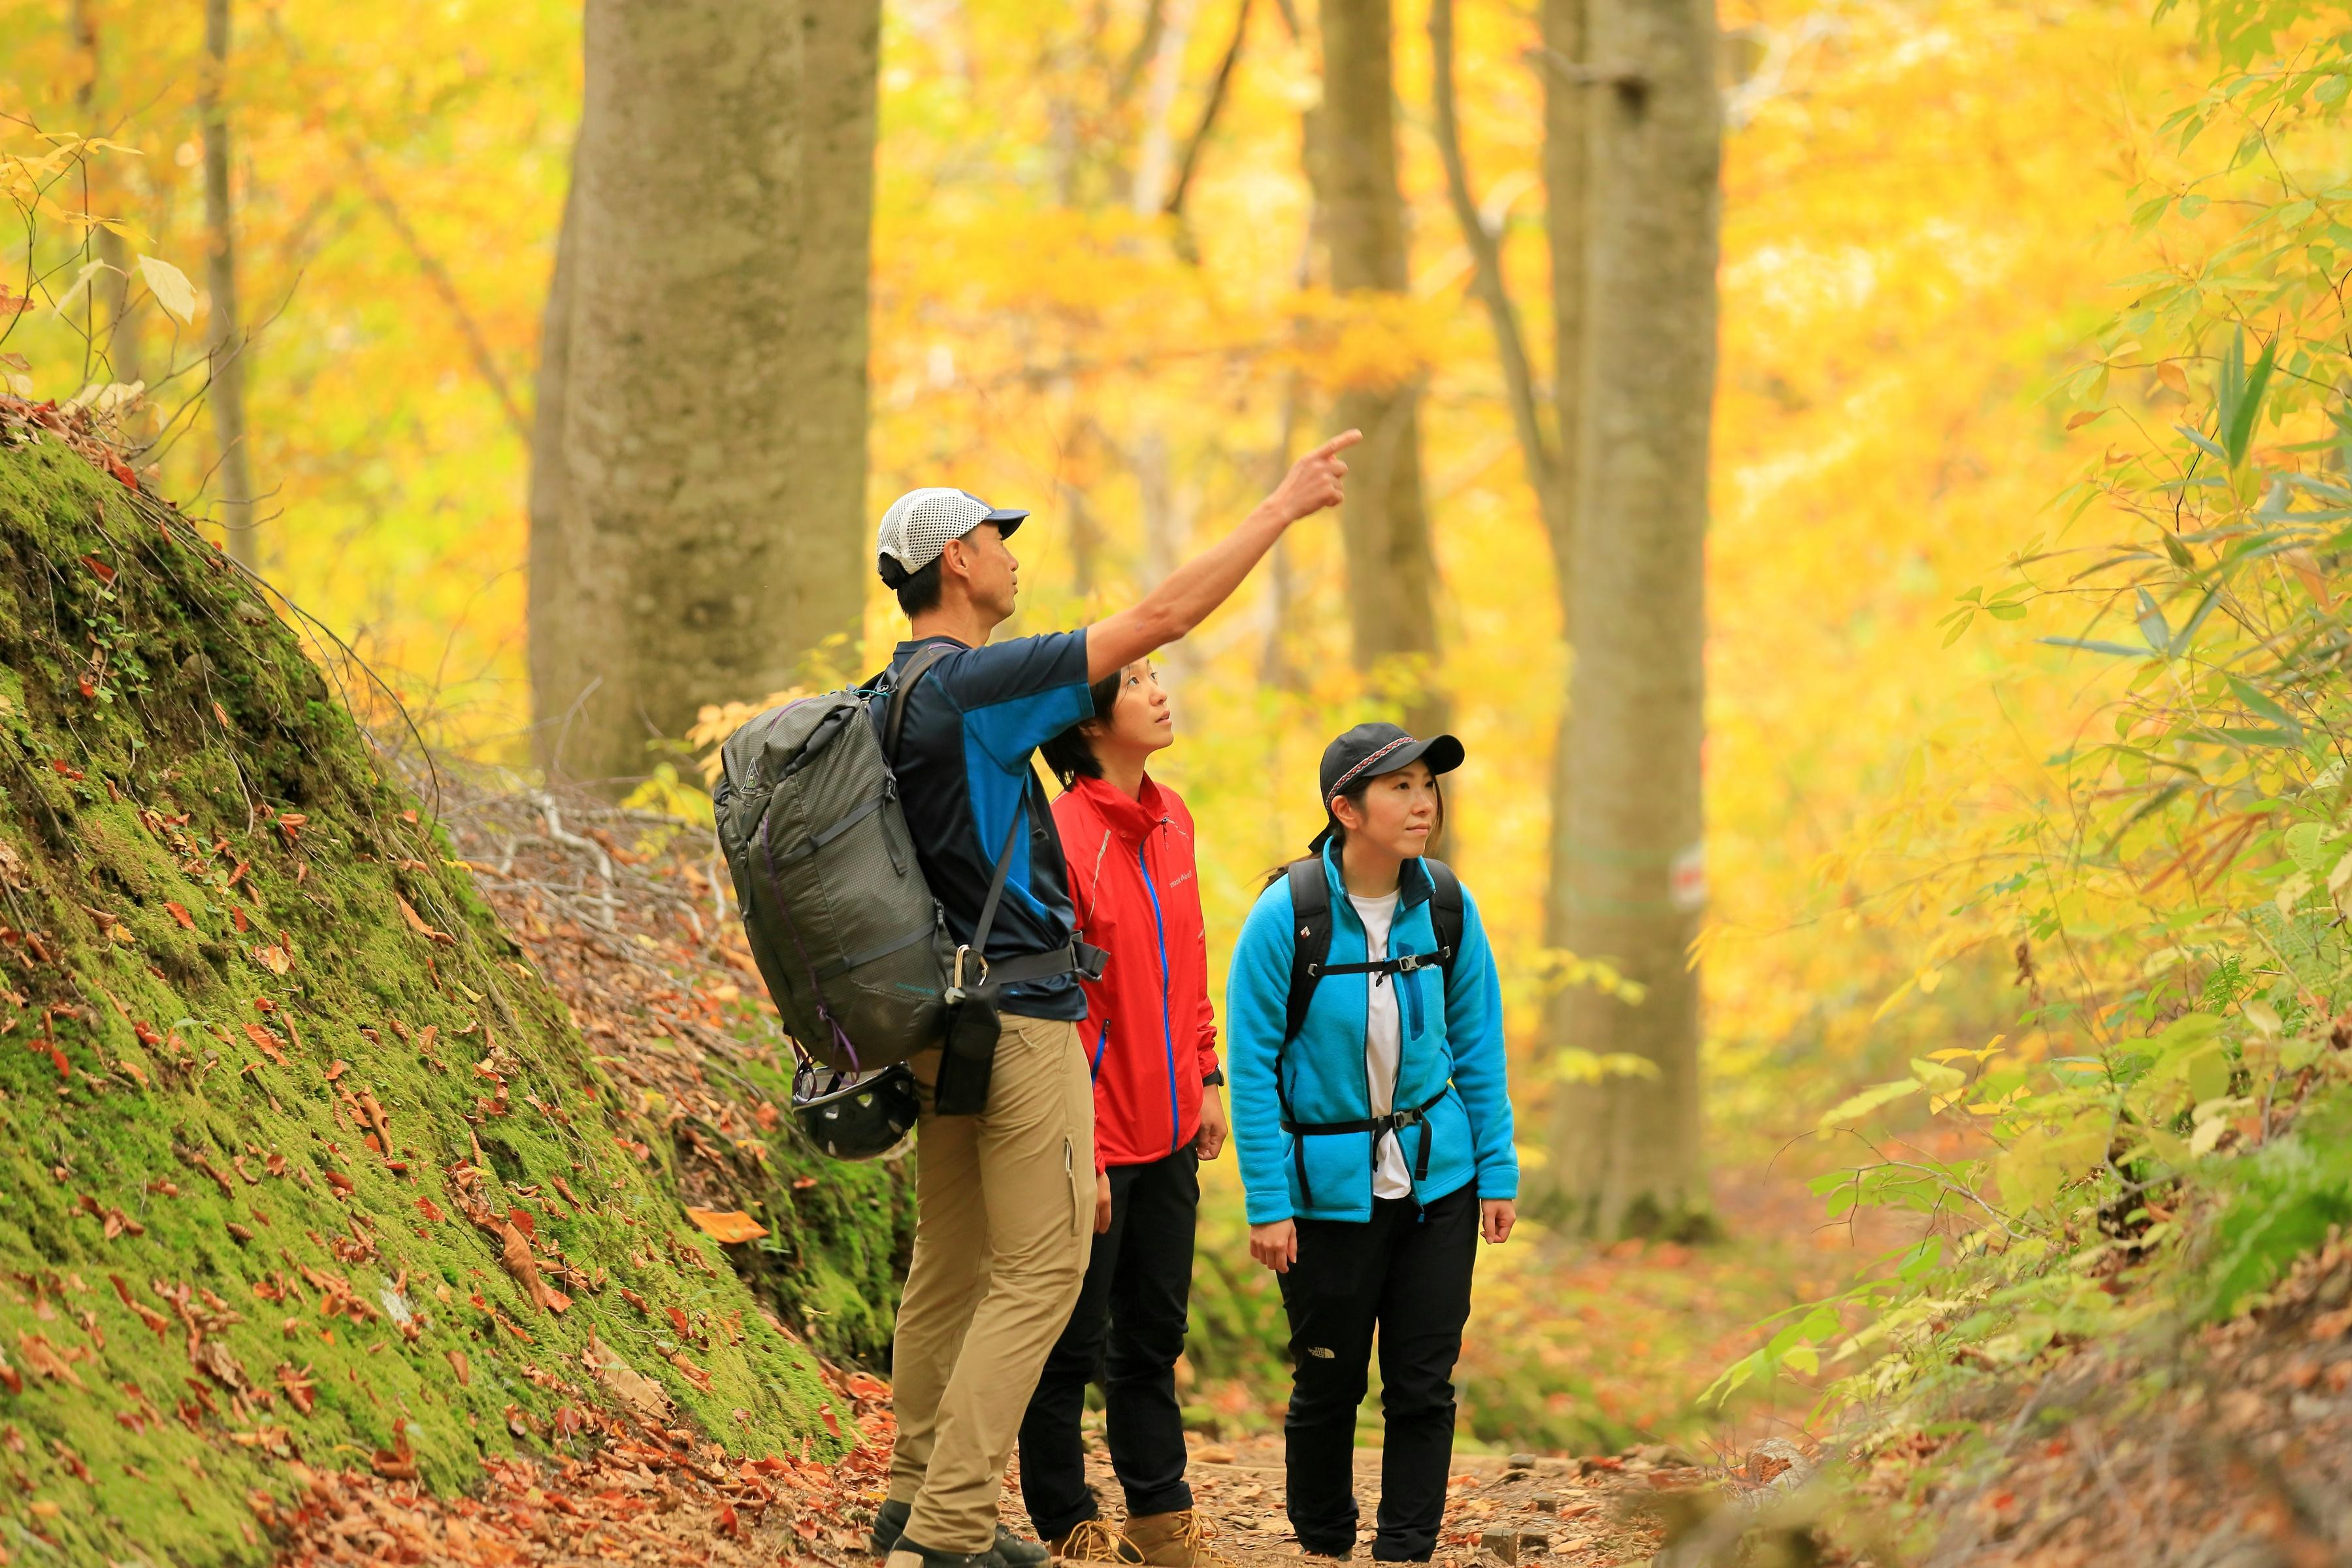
{"x": 1487, "y": 271}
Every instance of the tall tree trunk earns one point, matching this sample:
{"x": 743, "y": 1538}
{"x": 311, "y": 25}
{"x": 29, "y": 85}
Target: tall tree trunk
{"x": 548, "y": 565}
{"x": 840, "y": 73}
{"x": 114, "y": 346}
{"x": 710, "y": 514}
{"x": 1352, "y": 163}
{"x": 1566, "y": 151}
{"x": 1627, "y": 1148}
{"x": 226, "y": 393}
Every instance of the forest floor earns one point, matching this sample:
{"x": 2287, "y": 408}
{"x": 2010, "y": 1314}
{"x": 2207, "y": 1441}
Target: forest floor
{"x": 2224, "y": 1445}
{"x": 619, "y": 912}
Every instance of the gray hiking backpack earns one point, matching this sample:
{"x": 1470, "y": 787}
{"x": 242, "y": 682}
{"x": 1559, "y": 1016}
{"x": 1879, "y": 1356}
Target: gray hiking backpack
{"x": 852, "y": 944}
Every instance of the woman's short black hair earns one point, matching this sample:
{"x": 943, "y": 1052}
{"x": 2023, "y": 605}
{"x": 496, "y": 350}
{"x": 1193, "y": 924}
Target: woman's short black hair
{"x": 1067, "y": 754}
{"x": 917, "y": 591}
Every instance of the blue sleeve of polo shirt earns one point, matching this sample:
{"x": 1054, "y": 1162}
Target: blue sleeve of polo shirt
{"x": 1017, "y": 695}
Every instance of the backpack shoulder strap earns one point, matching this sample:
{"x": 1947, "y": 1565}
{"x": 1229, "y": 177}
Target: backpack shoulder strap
{"x": 1310, "y": 910}
{"x": 895, "y": 715}
{"x": 1445, "y": 911}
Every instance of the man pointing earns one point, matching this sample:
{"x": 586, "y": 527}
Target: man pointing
{"x": 1004, "y": 1188}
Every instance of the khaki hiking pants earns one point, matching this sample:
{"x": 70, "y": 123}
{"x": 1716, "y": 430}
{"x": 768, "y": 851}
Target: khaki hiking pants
{"x": 1004, "y": 1205}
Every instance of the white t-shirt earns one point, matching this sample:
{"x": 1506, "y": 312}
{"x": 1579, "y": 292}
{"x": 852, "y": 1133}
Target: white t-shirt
{"x": 1383, "y": 1043}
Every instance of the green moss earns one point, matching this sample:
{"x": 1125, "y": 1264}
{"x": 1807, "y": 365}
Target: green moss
{"x": 198, "y": 847}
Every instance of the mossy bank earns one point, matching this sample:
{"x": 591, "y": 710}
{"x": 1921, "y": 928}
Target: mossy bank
{"x": 303, "y": 1163}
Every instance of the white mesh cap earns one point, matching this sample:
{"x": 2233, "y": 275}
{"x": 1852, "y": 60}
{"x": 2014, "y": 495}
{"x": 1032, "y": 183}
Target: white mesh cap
{"x": 919, "y": 523}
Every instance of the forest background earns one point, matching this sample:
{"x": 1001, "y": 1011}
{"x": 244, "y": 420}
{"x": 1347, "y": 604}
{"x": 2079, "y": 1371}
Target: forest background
{"x": 1925, "y": 207}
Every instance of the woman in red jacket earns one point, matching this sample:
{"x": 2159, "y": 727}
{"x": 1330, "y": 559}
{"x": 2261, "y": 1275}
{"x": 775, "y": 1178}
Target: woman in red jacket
{"x": 1151, "y": 1041}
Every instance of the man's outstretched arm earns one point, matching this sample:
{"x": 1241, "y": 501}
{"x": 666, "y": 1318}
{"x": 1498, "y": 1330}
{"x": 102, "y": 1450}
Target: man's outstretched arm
{"x": 1187, "y": 595}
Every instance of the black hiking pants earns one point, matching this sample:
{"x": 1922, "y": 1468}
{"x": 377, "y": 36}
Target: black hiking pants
{"x": 1125, "y": 1334}
{"x": 1407, "y": 1273}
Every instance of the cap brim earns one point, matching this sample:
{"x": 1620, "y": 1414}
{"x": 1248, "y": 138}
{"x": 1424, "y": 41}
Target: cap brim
{"x": 1442, "y": 752}
{"x": 1006, "y": 517}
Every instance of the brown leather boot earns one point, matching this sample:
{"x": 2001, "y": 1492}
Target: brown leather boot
{"x": 1092, "y": 1541}
{"x": 1175, "y": 1540}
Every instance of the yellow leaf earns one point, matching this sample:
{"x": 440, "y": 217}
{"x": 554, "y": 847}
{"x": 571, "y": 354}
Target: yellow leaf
{"x": 2173, "y": 376}
{"x": 171, "y": 288}
{"x": 726, "y": 1225}
{"x": 1900, "y": 992}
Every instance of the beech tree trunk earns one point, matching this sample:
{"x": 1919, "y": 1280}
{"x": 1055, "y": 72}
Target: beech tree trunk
{"x": 1626, "y": 1150}
{"x": 1352, "y": 164}
{"x": 1566, "y": 151}
{"x": 226, "y": 394}
{"x": 548, "y": 565}
{"x": 699, "y": 465}
{"x": 115, "y": 346}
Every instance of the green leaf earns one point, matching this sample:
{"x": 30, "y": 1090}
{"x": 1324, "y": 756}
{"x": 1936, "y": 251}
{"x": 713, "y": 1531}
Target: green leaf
{"x": 2256, "y": 701}
{"x": 2152, "y": 624}
{"x": 1870, "y": 1100}
{"x": 2204, "y": 442}
{"x": 2192, "y": 205}
{"x": 1937, "y": 1076}
{"x": 2243, "y": 402}
{"x": 2089, "y": 646}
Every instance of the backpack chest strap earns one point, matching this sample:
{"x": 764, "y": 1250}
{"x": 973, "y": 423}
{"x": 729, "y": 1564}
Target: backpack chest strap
{"x": 1380, "y": 1127}
{"x": 1403, "y": 963}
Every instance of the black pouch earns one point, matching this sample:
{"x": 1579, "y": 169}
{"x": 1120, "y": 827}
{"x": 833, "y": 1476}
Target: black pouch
{"x": 974, "y": 1025}
{"x": 970, "y": 1058}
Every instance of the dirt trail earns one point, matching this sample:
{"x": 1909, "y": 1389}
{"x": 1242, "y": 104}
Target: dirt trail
{"x": 1521, "y": 1509}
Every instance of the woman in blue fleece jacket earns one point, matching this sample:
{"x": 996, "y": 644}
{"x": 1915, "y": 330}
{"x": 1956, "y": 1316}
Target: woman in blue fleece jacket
{"x": 1375, "y": 1140}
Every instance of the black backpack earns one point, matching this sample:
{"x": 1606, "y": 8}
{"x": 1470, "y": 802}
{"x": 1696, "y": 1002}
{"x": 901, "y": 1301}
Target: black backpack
{"x": 1310, "y": 907}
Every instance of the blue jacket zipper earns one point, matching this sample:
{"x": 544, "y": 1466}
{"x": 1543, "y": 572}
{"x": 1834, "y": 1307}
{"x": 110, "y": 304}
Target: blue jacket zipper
{"x": 1102, "y": 1046}
{"x": 1167, "y": 1027}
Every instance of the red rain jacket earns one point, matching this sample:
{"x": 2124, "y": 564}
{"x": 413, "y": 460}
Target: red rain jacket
{"x": 1150, "y": 1034}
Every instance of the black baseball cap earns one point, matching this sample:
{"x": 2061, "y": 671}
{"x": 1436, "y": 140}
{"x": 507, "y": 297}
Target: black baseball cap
{"x": 1368, "y": 751}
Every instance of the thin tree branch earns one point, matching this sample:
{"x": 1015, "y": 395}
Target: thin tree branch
{"x": 1174, "y": 206}
{"x": 1486, "y": 268}
{"x": 476, "y": 347}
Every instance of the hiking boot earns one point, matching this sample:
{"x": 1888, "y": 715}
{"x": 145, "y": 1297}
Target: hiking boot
{"x": 908, "y": 1554}
{"x": 1092, "y": 1541}
{"x": 1009, "y": 1551}
{"x": 1182, "y": 1540}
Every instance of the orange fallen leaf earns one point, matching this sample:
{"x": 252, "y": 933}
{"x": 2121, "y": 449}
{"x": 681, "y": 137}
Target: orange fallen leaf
{"x": 187, "y": 921}
{"x": 726, "y": 1225}
{"x": 265, "y": 1042}
{"x": 416, "y": 923}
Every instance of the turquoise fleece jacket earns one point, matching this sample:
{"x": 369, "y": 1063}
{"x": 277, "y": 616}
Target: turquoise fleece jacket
{"x": 1450, "y": 1022}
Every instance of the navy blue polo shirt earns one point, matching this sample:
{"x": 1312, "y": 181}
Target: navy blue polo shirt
{"x": 963, "y": 765}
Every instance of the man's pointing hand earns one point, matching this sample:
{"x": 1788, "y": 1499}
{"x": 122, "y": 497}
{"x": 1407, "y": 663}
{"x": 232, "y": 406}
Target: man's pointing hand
{"x": 1315, "y": 480}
